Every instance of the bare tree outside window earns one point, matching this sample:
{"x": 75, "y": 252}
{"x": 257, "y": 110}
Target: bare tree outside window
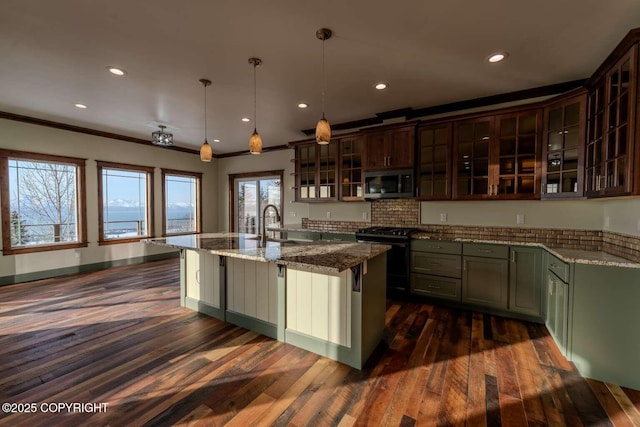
{"x": 43, "y": 202}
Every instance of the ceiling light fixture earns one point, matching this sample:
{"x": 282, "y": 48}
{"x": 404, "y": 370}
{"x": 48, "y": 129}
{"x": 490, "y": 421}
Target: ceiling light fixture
{"x": 206, "y": 153}
{"x": 246, "y": 119}
{"x": 116, "y": 71}
{"x": 323, "y": 130}
{"x": 303, "y": 105}
{"x": 216, "y": 140}
{"x": 497, "y": 57}
{"x": 381, "y": 86}
{"x": 81, "y": 106}
{"x": 162, "y": 138}
{"x": 255, "y": 142}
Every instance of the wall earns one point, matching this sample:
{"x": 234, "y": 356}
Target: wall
{"x": 574, "y": 214}
{"x": 622, "y": 216}
{"x": 40, "y": 139}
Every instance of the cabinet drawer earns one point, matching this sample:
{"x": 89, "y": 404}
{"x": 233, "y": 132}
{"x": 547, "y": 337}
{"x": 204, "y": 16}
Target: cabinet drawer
{"x": 434, "y": 286}
{"x": 438, "y": 246}
{"x": 436, "y": 264}
{"x": 486, "y": 250}
{"x": 559, "y": 267}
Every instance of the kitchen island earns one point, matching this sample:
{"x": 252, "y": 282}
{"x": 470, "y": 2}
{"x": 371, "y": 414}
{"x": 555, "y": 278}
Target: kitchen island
{"x": 325, "y": 297}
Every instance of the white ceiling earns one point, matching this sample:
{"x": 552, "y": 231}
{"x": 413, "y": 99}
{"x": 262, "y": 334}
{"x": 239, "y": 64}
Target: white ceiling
{"x": 54, "y": 53}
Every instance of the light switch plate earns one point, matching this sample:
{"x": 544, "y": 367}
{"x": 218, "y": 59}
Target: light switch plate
{"x": 443, "y": 217}
{"x": 328, "y": 214}
{"x": 520, "y": 219}
{"x": 607, "y": 222}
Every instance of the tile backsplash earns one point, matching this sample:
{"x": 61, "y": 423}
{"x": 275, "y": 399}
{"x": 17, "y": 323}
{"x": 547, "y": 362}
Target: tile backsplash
{"x": 395, "y": 212}
{"x": 621, "y": 245}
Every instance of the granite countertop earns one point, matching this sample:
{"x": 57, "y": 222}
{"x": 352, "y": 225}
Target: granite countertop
{"x": 321, "y": 256}
{"x": 567, "y": 255}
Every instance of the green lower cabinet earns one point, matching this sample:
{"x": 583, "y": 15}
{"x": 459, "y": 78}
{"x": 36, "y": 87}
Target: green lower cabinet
{"x": 485, "y": 281}
{"x": 525, "y": 280}
{"x": 435, "y": 286}
{"x": 557, "y": 310}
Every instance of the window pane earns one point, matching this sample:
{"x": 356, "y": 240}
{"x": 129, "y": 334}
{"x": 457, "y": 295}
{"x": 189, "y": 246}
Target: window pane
{"x": 252, "y": 195}
{"x": 181, "y": 204}
{"x": 124, "y": 204}
{"x": 42, "y": 203}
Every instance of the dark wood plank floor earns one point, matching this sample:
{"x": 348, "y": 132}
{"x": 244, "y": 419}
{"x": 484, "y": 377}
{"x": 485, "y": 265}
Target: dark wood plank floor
{"x": 119, "y": 338}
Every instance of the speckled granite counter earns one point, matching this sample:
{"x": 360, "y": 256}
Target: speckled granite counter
{"x": 332, "y": 257}
{"x": 567, "y": 255}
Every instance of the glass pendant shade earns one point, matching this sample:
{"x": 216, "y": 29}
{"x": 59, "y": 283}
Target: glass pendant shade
{"x": 255, "y": 143}
{"x": 206, "y": 153}
{"x": 323, "y": 132}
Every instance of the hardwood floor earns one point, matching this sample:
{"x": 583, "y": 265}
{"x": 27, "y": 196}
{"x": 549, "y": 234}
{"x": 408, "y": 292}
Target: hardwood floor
{"x": 119, "y": 339}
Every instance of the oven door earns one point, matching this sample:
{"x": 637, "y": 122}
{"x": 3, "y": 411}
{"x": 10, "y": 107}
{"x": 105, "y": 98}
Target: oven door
{"x": 398, "y": 259}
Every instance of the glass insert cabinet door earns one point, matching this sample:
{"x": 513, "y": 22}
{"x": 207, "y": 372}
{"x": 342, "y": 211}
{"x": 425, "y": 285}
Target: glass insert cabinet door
{"x": 563, "y": 153}
{"x": 472, "y": 140}
{"x": 351, "y": 168}
{"x": 609, "y": 168}
{"x": 251, "y": 195}
{"x": 517, "y": 149}
{"x": 434, "y": 180}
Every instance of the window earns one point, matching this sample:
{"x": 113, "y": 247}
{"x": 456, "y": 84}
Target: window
{"x": 125, "y": 202}
{"x": 181, "y": 196}
{"x": 43, "y": 204}
{"x": 251, "y": 193}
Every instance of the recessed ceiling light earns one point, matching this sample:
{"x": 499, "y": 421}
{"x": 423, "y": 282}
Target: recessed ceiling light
{"x": 216, "y": 140}
{"x": 79, "y": 105}
{"x": 116, "y": 71}
{"x": 381, "y": 86}
{"x": 246, "y": 119}
{"x": 497, "y": 57}
{"x": 303, "y": 105}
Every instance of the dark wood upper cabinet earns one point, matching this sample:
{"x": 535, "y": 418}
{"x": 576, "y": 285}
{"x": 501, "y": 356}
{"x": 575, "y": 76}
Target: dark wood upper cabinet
{"x": 612, "y": 135}
{"x": 434, "y": 162}
{"x": 390, "y": 148}
{"x": 563, "y": 148}
{"x": 497, "y": 156}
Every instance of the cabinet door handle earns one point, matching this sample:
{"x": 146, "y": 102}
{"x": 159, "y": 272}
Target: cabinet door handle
{"x": 513, "y": 256}
{"x": 485, "y": 251}
{"x": 433, "y": 287}
{"x": 464, "y": 265}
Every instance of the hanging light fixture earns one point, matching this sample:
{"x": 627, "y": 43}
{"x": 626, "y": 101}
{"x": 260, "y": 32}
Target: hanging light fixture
{"x": 255, "y": 142}
{"x": 323, "y": 130}
{"x": 206, "y": 153}
{"x": 162, "y": 138}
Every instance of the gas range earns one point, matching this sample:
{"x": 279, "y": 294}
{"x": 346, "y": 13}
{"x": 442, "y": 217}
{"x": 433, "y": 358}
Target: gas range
{"x": 385, "y": 233}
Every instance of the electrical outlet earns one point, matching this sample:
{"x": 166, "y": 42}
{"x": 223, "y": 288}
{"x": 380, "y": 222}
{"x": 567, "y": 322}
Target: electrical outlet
{"x": 328, "y": 215}
{"x": 520, "y": 219}
{"x": 292, "y": 213}
{"x": 607, "y": 222}
{"x": 443, "y": 217}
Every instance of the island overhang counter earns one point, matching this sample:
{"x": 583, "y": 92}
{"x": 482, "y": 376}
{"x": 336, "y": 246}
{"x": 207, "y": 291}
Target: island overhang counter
{"x": 325, "y": 297}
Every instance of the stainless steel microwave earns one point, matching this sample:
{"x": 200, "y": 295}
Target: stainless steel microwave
{"x": 388, "y": 184}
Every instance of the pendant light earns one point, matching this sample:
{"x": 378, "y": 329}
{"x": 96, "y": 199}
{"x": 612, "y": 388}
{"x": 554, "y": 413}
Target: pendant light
{"x": 323, "y": 130}
{"x": 162, "y": 138}
{"x": 255, "y": 142}
{"x": 206, "y": 153}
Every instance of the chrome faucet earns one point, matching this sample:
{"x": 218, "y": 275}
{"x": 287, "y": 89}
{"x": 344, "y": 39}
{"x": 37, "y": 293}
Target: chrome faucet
{"x": 263, "y": 236}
